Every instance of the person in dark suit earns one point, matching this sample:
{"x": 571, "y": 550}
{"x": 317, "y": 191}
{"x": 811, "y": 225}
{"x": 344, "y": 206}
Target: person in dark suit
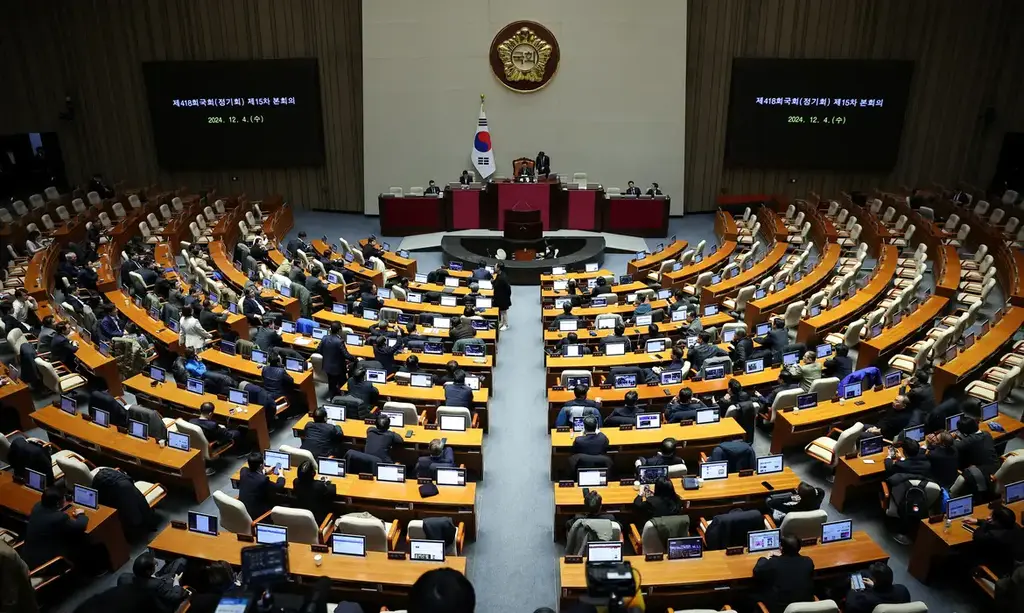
{"x": 276, "y": 380}
{"x": 299, "y": 242}
{"x": 297, "y": 274}
{"x": 440, "y": 455}
{"x": 101, "y": 399}
{"x": 975, "y": 448}
{"x": 62, "y": 349}
{"x": 580, "y": 405}
{"x": 704, "y": 350}
{"x": 683, "y": 407}
{"x": 465, "y": 178}
{"x": 666, "y": 455}
{"x": 914, "y": 462}
{"x": 255, "y": 488}
{"x": 384, "y": 351}
{"x": 51, "y": 532}
{"x": 502, "y": 295}
{"x": 214, "y": 432}
{"x": 898, "y": 417}
{"x": 775, "y": 341}
{"x": 878, "y": 589}
{"x": 632, "y": 189}
{"x": 128, "y": 266}
{"x": 785, "y": 579}
{"x": 365, "y": 391}
{"x": 311, "y": 494}
{"x": 457, "y": 393}
{"x": 742, "y": 348}
{"x": 321, "y": 438}
{"x": 380, "y": 439}
{"x": 921, "y": 394}
{"x": 788, "y": 380}
{"x": 943, "y": 459}
{"x": 253, "y": 307}
{"x": 840, "y": 364}
{"x": 267, "y": 337}
{"x": 655, "y": 190}
{"x": 110, "y": 327}
{"x": 543, "y": 164}
{"x": 625, "y": 415}
{"x": 481, "y": 272}
{"x": 372, "y": 250}
{"x": 164, "y": 592}
{"x": 998, "y": 540}
{"x": 432, "y": 190}
{"x": 315, "y": 284}
{"x": 209, "y": 320}
{"x": 335, "y": 359}
{"x": 662, "y": 502}
{"x": 591, "y": 442}
{"x": 618, "y": 336}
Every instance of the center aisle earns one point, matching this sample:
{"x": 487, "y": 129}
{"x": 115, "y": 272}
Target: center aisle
{"x": 514, "y": 563}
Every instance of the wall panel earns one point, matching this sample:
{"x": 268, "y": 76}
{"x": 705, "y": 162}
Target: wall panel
{"x": 94, "y": 49}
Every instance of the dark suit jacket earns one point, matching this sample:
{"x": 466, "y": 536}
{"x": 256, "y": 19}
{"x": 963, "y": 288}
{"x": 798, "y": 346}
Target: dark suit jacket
{"x": 249, "y": 307}
{"x": 741, "y": 350}
{"x": 623, "y": 416}
{"x": 103, "y": 400}
{"x": 592, "y": 444}
{"x": 277, "y": 381}
{"x": 211, "y": 430}
{"x": 51, "y": 533}
{"x": 266, "y": 339}
{"x": 322, "y": 439}
{"x": 867, "y": 599}
{"x": 917, "y": 465}
{"x": 386, "y": 355}
{"x": 633, "y": 191}
{"x": 702, "y": 351}
{"x": 332, "y": 348}
{"x": 838, "y": 366}
{"x": 379, "y": 443}
{"x": 458, "y": 396}
{"x": 163, "y": 593}
{"x": 945, "y": 465}
{"x": 783, "y": 580}
{"x": 317, "y": 497}
{"x": 979, "y": 450}
{"x": 209, "y": 320}
{"x": 365, "y": 391}
{"x": 426, "y": 465}
{"x": 255, "y": 489}
{"x": 543, "y": 164}
{"x": 61, "y": 350}
{"x": 775, "y": 341}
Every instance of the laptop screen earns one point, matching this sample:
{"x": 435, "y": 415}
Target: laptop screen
{"x": 989, "y": 411}
{"x": 647, "y": 421}
{"x": 622, "y": 381}
{"x": 572, "y": 351}
{"x": 650, "y": 474}
{"x": 762, "y": 329}
{"x": 433, "y": 348}
{"x": 451, "y": 476}
{"x": 835, "y": 531}
{"x": 568, "y": 325}
{"x": 202, "y": 523}
{"x": 178, "y": 440}
{"x": 68, "y": 405}
{"x": 714, "y": 372}
{"x": 391, "y": 473}
{"x": 644, "y": 320}
{"x": 335, "y": 413}
{"x": 707, "y": 416}
{"x": 276, "y": 459}
{"x": 604, "y": 551}
{"x": 227, "y": 347}
{"x": 269, "y": 534}
{"x": 671, "y": 377}
{"x": 656, "y": 344}
{"x": 370, "y": 314}
{"x": 893, "y": 379}
{"x": 871, "y": 445}
{"x": 754, "y": 366}
{"x": 35, "y": 480}
{"x": 452, "y": 423}
{"x": 953, "y": 422}
{"x": 100, "y": 417}
{"x": 421, "y": 380}
{"x": 260, "y": 357}
{"x": 685, "y": 548}
{"x": 426, "y": 551}
{"x": 807, "y": 401}
{"x": 763, "y": 540}
{"x": 788, "y": 359}
{"x": 824, "y": 350}
{"x": 959, "y": 507}
{"x": 194, "y": 385}
{"x": 331, "y": 467}
{"x": 138, "y": 429}
{"x": 294, "y": 365}
{"x": 86, "y": 497}
{"x": 376, "y": 376}
{"x": 238, "y": 396}
{"x": 1014, "y": 492}
{"x": 449, "y": 301}
{"x": 769, "y": 464}
{"x": 156, "y": 373}
{"x": 288, "y": 326}
{"x": 348, "y": 544}
{"x": 709, "y": 471}
{"x": 319, "y": 333}
{"x": 592, "y": 477}
{"x": 397, "y": 418}
{"x": 915, "y": 433}
{"x": 853, "y": 390}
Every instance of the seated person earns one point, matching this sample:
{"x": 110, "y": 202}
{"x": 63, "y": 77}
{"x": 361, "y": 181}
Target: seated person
{"x": 572, "y": 339}
{"x": 840, "y": 364}
{"x": 789, "y": 379}
{"x": 276, "y": 380}
{"x": 975, "y": 448}
{"x": 810, "y": 370}
{"x": 195, "y": 367}
{"x": 267, "y": 336}
{"x": 897, "y": 418}
{"x": 362, "y": 389}
{"x": 666, "y": 455}
{"x": 591, "y": 442}
{"x": 625, "y": 415}
{"x": 321, "y": 438}
{"x": 51, "y": 532}
{"x": 618, "y": 336}
{"x": 878, "y": 589}
{"x": 677, "y": 363}
{"x": 412, "y": 366}
{"x": 643, "y": 307}
{"x": 999, "y": 541}
{"x": 312, "y": 494}
{"x": 943, "y": 459}
{"x": 462, "y": 327}
{"x": 214, "y": 432}
{"x": 164, "y": 591}
{"x": 735, "y": 395}
{"x": 741, "y": 349}
{"x": 661, "y": 502}
{"x": 440, "y": 455}
{"x": 380, "y": 439}
{"x": 805, "y": 498}
{"x": 683, "y": 407}
{"x": 914, "y": 461}
{"x": 704, "y": 350}
{"x": 255, "y": 489}
{"x": 591, "y": 510}
{"x": 781, "y": 580}
{"x": 566, "y": 314}
{"x": 457, "y": 393}
{"x": 580, "y": 406}
{"x": 775, "y": 341}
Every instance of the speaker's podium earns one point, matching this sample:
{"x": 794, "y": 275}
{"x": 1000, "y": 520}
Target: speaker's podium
{"x": 524, "y": 231}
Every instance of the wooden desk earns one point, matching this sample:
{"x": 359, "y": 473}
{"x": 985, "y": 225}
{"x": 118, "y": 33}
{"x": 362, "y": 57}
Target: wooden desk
{"x": 186, "y": 404}
{"x": 588, "y": 313}
{"x": 362, "y": 326}
{"x": 16, "y": 398}
{"x": 104, "y": 445}
{"x": 547, "y": 281}
{"x": 251, "y": 371}
{"x": 668, "y": 581}
{"x": 426, "y": 307}
{"x": 725, "y": 226}
{"x": 676, "y": 279}
{"x": 589, "y": 336}
{"x": 461, "y": 290}
{"x": 548, "y": 296}
{"x": 468, "y": 445}
{"x": 813, "y": 328}
{"x": 238, "y": 279}
{"x": 405, "y": 267}
{"x": 353, "y": 578}
{"x": 934, "y": 542}
{"x": 236, "y": 322}
{"x": 428, "y": 361}
{"x": 638, "y": 269}
{"x": 895, "y": 338}
{"x": 776, "y": 302}
{"x": 769, "y": 264}
{"x": 140, "y": 317}
{"x": 712, "y": 498}
{"x": 391, "y": 501}
{"x": 984, "y": 350}
{"x": 948, "y": 283}
{"x": 104, "y": 527}
{"x": 368, "y": 274}
{"x": 793, "y": 428}
{"x": 625, "y": 446}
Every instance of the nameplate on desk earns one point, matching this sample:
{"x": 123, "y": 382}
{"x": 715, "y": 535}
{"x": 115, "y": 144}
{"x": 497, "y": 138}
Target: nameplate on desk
{"x": 424, "y": 481}
{"x": 566, "y": 483}
{"x": 852, "y": 455}
{"x": 181, "y": 386}
{"x": 653, "y": 384}
{"x": 245, "y": 538}
{"x": 87, "y": 417}
{"x": 573, "y": 559}
{"x": 626, "y": 427}
{"x": 686, "y": 422}
{"x": 747, "y": 472}
{"x": 55, "y": 404}
{"x": 627, "y": 482}
{"x": 457, "y": 353}
{"x": 222, "y": 398}
{"x": 369, "y": 421}
{"x": 558, "y": 388}
{"x": 400, "y": 382}
{"x": 416, "y": 350}
{"x": 935, "y": 519}
{"x": 20, "y": 480}
{"x": 606, "y": 386}
{"x": 396, "y": 555}
{"x": 122, "y": 430}
{"x": 808, "y": 542}
{"x": 734, "y": 551}
{"x": 319, "y": 548}
{"x": 365, "y": 477}
{"x": 430, "y": 426}
{"x": 596, "y": 354}
{"x": 563, "y": 429}
{"x": 654, "y": 557}
{"x": 878, "y": 388}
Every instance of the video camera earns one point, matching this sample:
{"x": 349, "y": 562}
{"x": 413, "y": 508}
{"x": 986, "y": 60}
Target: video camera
{"x": 609, "y": 584}
{"x": 262, "y": 567}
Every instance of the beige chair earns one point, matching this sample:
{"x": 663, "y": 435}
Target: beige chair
{"x": 57, "y": 378}
{"x": 817, "y": 606}
{"x": 55, "y": 454}
{"x": 463, "y": 412}
{"x": 415, "y": 531}
{"x": 912, "y": 363}
{"x": 826, "y": 388}
{"x": 296, "y": 455}
{"x": 301, "y": 525}
{"x": 975, "y": 262}
{"x": 850, "y": 336}
{"x": 828, "y": 450}
{"x": 78, "y": 472}
{"x": 218, "y": 205}
{"x": 408, "y": 410}
{"x": 961, "y": 236}
{"x": 666, "y": 266}
{"x": 1010, "y": 471}
{"x": 995, "y": 384}
{"x": 909, "y": 607}
{"x": 803, "y": 524}
{"x": 233, "y": 516}
{"x": 793, "y": 313}
{"x": 197, "y": 235}
{"x": 905, "y": 241}
{"x": 739, "y": 304}
{"x": 951, "y": 223}
{"x": 197, "y": 440}
{"x": 78, "y": 205}
{"x": 379, "y": 536}
{"x": 136, "y": 203}
{"x": 783, "y": 400}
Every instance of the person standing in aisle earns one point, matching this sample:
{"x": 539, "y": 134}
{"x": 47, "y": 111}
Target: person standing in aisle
{"x": 502, "y": 295}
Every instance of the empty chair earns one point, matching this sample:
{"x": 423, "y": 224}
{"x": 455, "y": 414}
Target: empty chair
{"x": 793, "y": 313}
{"x": 165, "y": 212}
{"x": 825, "y": 388}
{"x": 144, "y": 229}
{"x": 94, "y": 199}
{"x": 827, "y": 450}
{"x": 976, "y": 260}
{"x": 57, "y": 378}
{"x": 416, "y": 531}
{"x": 396, "y": 191}
{"x": 136, "y": 203}
{"x": 911, "y": 363}
{"x": 415, "y": 191}
{"x": 665, "y": 266}
{"x": 52, "y": 194}
{"x": 888, "y": 215}
{"x": 118, "y": 209}
{"x": 995, "y": 384}
{"x": 748, "y": 238}
{"x": 961, "y": 236}
{"x": 47, "y": 223}
{"x": 233, "y": 516}
{"x": 981, "y": 208}
{"x": 78, "y": 205}
{"x": 19, "y": 208}
{"x": 379, "y": 536}
{"x": 909, "y": 607}
{"x": 302, "y": 526}
{"x": 703, "y": 279}
{"x": 36, "y": 201}
{"x": 803, "y": 524}
{"x": 905, "y": 241}
{"x": 801, "y": 238}
{"x": 951, "y": 223}
{"x": 842, "y": 217}
{"x": 1011, "y": 226}
{"x": 62, "y": 213}
{"x": 408, "y": 410}
{"x": 470, "y": 420}
{"x": 739, "y": 304}
{"x": 996, "y": 217}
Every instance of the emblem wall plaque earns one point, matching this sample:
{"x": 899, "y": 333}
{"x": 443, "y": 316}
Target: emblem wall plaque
{"x": 524, "y": 56}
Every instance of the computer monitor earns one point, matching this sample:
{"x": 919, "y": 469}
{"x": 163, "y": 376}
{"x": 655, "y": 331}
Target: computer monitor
{"x": 871, "y": 445}
{"x": 893, "y": 379}
{"x": 451, "y": 282}
{"x": 791, "y": 358}
{"x": 815, "y": 310}
{"x": 763, "y": 540}
{"x": 711, "y": 471}
{"x": 285, "y": 290}
{"x": 604, "y": 551}
{"x": 753, "y": 366}
{"x": 656, "y": 345}
{"x": 577, "y": 423}
{"x": 876, "y": 330}
{"x": 679, "y": 315}
{"x": 592, "y": 477}
{"x": 631, "y": 297}
{"x": 558, "y": 270}
{"x": 202, "y": 523}
{"x": 227, "y": 347}
{"x": 807, "y": 401}
{"x": 157, "y": 374}
{"x": 335, "y": 412}
{"x": 728, "y": 335}
{"x": 639, "y": 255}
{"x": 455, "y": 477}
{"x": 294, "y": 365}
{"x": 420, "y": 277}
{"x": 968, "y": 341}
{"x": 287, "y": 326}
{"x": 349, "y": 257}
{"x": 716, "y": 279}
{"x": 759, "y": 293}
{"x": 685, "y": 548}
{"x": 711, "y": 309}
{"x": 769, "y": 464}
{"x": 339, "y": 308}
{"x": 823, "y": 350}
{"x": 572, "y": 351}
{"x": 624, "y": 381}
{"x": 86, "y": 497}
{"x": 348, "y": 544}
{"x": 383, "y": 293}
{"x": 333, "y": 278}
{"x": 572, "y": 382}
{"x": 483, "y": 302}
{"x": 414, "y": 297}
{"x": 391, "y": 473}
{"x": 105, "y": 348}
{"x": 397, "y": 418}
{"x": 591, "y": 267}
{"x": 238, "y": 396}
{"x": 762, "y": 329}
{"x": 426, "y": 551}
{"x": 370, "y": 314}
{"x": 442, "y": 323}
{"x": 671, "y": 377}
{"x": 606, "y": 323}
{"x": 708, "y": 416}
{"x": 69, "y": 405}
{"x": 269, "y": 534}
{"x": 194, "y": 385}
{"x": 836, "y": 300}
{"x": 836, "y": 531}
{"x": 961, "y": 506}
{"x": 138, "y": 429}
{"x": 560, "y": 285}
{"x": 989, "y": 411}
{"x": 178, "y": 440}
{"x": 417, "y": 379}
{"x": 714, "y": 372}
{"x": 852, "y": 390}
{"x": 376, "y": 376}
{"x": 479, "y": 324}
{"x": 319, "y": 333}
{"x": 1014, "y": 492}
{"x": 233, "y": 308}
{"x": 648, "y": 421}
{"x": 276, "y": 459}
{"x": 35, "y": 480}
{"x": 664, "y": 294}
{"x": 953, "y": 422}
{"x": 913, "y": 433}
{"x": 331, "y": 467}
{"x": 650, "y": 474}
{"x": 448, "y": 301}
{"x": 644, "y": 320}
{"x": 433, "y": 348}
{"x": 100, "y": 417}
{"x": 260, "y": 357}
{"x": 568, "y": 325}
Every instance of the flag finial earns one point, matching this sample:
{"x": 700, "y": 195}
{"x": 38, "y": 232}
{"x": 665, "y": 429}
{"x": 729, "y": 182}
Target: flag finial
{"x": 481, "y": 98}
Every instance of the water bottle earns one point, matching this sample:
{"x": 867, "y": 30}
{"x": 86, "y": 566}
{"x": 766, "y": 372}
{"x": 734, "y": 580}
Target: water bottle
{"x": 949, "y": 522}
